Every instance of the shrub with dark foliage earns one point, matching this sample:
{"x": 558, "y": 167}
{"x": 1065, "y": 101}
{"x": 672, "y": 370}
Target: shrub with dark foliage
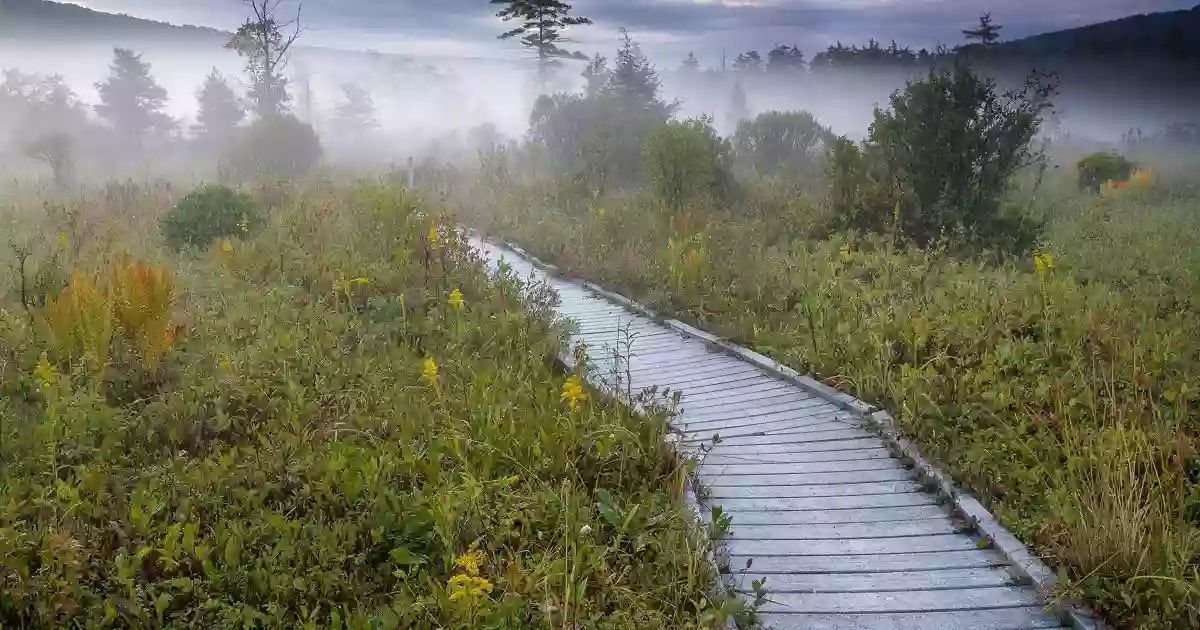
{"x": 1097, "y": 168}
{"x": 937, "y": 163}
{"x": 208, "y": 213}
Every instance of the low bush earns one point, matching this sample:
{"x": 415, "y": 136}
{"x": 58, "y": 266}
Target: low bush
{"x": 685, "y": 160}
{"x": 213, "y": 211}
{"x": 938, "y": 162}
{"x": 1097, "y": 168}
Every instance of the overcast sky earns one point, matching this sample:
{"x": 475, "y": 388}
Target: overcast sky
{"x": 667, "y": 29}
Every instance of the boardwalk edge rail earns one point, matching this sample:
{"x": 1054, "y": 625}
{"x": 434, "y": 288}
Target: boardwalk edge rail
{"x": 1023, "y": 563}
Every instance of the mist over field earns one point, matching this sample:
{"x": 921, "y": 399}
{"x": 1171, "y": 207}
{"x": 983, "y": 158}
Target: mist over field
{"x": 427, "y": 104}
{"x": 255, "y": 374}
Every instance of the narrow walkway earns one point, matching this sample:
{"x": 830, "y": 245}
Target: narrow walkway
{"x": 843, "y": 533}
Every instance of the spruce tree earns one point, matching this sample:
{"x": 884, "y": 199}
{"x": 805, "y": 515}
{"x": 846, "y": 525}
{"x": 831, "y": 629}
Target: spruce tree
{"x": 690, "y": 63}
{"x": 220, "y": 112}
{"x": 542, "y": 23}
{"x": 634, "y": 82}
{"x": 596, "y": 74}
{"x": 986, "y": 33}
{"x": 131, "y": 100}
{"x": 784, "y": 59}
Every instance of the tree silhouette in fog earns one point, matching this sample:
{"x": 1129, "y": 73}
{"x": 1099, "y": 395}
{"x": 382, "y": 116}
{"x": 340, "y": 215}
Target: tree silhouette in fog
{"x": 355, "y": 115}
{"x": 131, "y": 100}
{"x": 783, "y": 59}
{"x": 220, "y": 112}
{"x": 986, "y": 33}
{"x": 541, "y": 25}
{"x": 266, "y": 42}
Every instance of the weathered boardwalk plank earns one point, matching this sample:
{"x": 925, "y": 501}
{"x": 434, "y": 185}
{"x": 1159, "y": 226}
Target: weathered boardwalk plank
{"x": 844, "y": 534}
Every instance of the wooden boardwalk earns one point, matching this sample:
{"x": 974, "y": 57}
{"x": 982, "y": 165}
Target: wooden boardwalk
{"x": 842, "y": 531}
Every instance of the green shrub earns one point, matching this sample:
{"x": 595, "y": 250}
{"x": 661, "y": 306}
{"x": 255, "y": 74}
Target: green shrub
{"x": 781, "y": 142}
{"x": 208, "y": 213}
{"x": 275, "y": 146}
{"x": 1097, "y": 168}
{"x": 939, "y": 161}
{"x": 687, "y": 159}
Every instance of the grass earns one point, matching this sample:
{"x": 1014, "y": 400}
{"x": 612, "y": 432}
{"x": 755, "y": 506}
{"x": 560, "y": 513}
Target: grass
{"x": 351, "y": 424}
{"x": 1064, "y": 396}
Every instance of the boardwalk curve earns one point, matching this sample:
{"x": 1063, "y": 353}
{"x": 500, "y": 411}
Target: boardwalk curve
{"x": 847, "y": 535}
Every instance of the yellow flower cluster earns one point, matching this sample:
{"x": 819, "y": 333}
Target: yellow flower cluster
{"x": 573, "y": 393}
{"x": 469, "y": 584}
{"x": 45, "y": 373}
{"x": 429, "y": 372}
{"x": 455, "y": 301}
{"x": 1043, "y": 262}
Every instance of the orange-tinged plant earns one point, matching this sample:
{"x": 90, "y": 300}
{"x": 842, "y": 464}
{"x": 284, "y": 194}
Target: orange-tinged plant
{"x": 80, "y": 320}
{"x": 143, "y": 306}
{"x": 1142, "y": 178}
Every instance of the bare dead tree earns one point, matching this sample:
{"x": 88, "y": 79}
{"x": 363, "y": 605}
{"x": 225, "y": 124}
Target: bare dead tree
{"x": 265, "y": 41}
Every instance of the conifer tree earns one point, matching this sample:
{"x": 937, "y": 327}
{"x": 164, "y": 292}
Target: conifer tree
{"x": 220, "y": 112}
{"x": 986, "y": 33}
{"x": 542, "y": 23}
{"x": 131, "y": 100}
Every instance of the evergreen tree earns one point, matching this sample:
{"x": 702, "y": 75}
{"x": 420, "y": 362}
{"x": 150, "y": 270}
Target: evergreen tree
{"x": 267, "y": 49}
{"x": 748, "y": 62}
{"x": 784, "y": 59}
{"x": 131, "y": 100}
{"x": 356, "y": 113}
{"x": 541, "y": 25}
{"x": 634, "y": 82}
{"x": 220, "y": 112}
{"x": 690, "y": 63}
{"x": 986, "y": 33}
{"x": 596, "y": 74}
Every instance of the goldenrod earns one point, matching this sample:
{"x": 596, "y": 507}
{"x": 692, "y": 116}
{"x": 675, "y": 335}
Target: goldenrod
{"x": 429, "y": 372}
{"x": 455, "y": 301}
{"x": 573, "y": 393}
{"x": 1043, "y": 262}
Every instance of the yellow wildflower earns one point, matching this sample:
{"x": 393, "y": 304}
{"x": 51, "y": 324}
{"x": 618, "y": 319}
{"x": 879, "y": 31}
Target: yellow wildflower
{"x": 224, "y": 362}
{"x": 62, "y": 240}
{"x": 45, "y": 373}
{"x": 468, "y": 562}
{"x": 455, "y": 300}
{"x": 429, "y": 372}
{"x": 432, "y": 237}
{"x": 226, "y": 245}
{"x": 844, "y": 252}
{"x": 1043, "y": 262}
{"x": 573, "y": 393}
{"x": 468, "y": 587}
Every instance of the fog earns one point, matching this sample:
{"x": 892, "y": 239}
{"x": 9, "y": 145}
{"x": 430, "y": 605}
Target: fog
{"x": 426, "y": 104}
